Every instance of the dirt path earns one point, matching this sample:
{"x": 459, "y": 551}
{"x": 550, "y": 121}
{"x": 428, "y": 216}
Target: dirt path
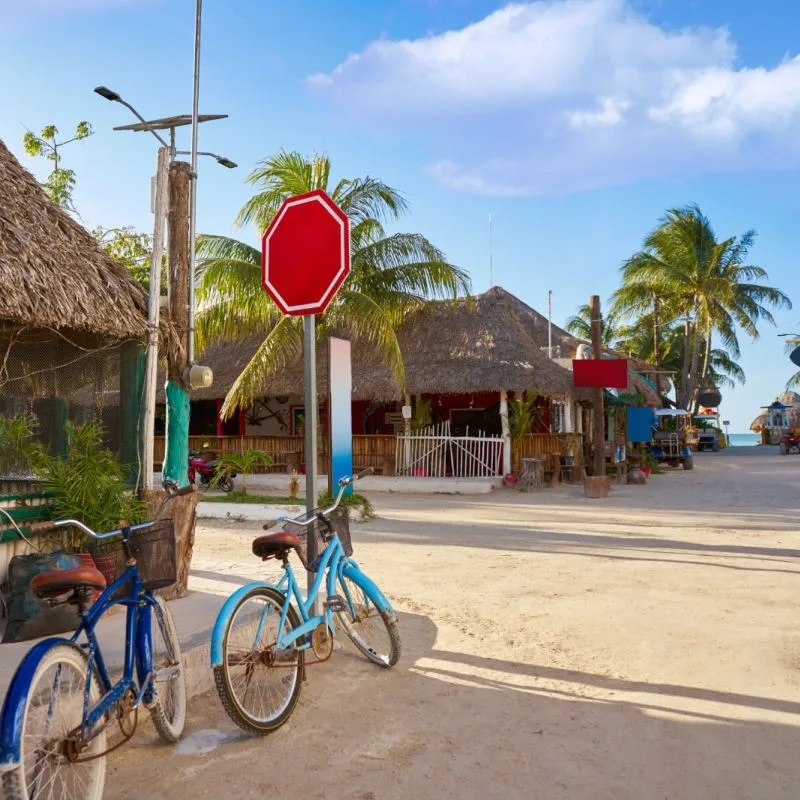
{"x": 647, "y": 647}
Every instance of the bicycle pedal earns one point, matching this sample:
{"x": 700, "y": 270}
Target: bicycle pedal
{"x": 335, "y": 604}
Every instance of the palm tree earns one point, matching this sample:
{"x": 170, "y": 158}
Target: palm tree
{"x": 683, "y": 270}
{"x": 580, "y": 325}
{"x": 390, "y": 274}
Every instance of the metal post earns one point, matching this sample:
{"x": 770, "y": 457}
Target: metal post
{"x": 311, "y": 414}
{"x": 193, "y": 189}
{"x": 549, "y": 324}
{"x": 153, "y": 306}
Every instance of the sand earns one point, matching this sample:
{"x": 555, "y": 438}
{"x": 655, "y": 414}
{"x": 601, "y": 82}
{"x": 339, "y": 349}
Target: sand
{"x": 645, "y": 646}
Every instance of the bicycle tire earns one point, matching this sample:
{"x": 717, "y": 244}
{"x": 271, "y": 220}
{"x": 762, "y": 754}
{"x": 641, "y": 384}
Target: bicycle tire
{"x": 363, "y": 622}
{"x": 90, "y": 775}
{"x": 228, "y": 681}
{"x": 169, "y": 709}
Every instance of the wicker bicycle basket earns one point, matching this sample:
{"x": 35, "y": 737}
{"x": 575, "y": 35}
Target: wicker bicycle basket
{"x": 314, "y": 538}
{"x": 154, "y": 550}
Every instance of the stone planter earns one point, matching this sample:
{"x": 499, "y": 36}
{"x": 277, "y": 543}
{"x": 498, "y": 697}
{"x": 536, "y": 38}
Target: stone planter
{"x": 597, "y": 486}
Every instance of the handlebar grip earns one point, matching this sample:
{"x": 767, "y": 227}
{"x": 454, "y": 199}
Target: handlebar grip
{"x": 185, "y": 490}
{"x": 270, "y": 523}
{"x": 40, "y": 526}
{"x": 364, "y": 473}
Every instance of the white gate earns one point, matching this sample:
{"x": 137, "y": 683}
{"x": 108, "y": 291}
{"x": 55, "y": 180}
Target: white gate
{"x": 435, "y": 453}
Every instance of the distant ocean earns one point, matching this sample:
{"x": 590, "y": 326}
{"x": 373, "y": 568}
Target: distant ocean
{"x": 745, "y": 439}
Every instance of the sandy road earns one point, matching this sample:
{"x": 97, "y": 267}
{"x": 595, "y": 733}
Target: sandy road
{"x": 647, "y": 646}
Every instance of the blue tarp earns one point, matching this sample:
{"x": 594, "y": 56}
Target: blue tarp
{"x": 640, "y": 424}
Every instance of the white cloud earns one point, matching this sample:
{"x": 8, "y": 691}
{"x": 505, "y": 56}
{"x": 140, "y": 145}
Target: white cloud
{"x": 562, "y": 95}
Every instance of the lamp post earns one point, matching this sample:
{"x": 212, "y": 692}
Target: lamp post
{"x": 166, "y": 154}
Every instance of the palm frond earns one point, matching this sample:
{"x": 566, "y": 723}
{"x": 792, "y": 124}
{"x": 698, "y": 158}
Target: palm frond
{"x": 282, "y": 345}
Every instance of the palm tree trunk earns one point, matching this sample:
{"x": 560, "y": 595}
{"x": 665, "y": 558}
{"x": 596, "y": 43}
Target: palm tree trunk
{"x": 682, "y": 394}
{"x": 706, "y": 361}
{"x": 693, "y": 384}
{"x": 656, "y": 349}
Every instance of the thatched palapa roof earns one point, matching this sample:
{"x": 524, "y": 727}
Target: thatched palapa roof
{"x": 479, "y": 344}
{"x": 788, "y": 399}
{"x": 52, "y": 272}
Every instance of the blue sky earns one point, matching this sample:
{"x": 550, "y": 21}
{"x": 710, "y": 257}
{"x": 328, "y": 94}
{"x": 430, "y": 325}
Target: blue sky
{"x": 574, "y": 123}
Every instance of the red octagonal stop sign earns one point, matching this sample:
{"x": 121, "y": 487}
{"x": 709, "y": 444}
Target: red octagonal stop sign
{"x": 305, "y": 253}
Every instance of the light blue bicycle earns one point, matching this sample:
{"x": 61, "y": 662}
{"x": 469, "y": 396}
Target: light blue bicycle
{"x": 263, "y": 632}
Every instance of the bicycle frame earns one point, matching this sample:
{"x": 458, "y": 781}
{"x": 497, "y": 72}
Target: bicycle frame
{"x": 333, "y": 562}
{"x": 138, "y": 655}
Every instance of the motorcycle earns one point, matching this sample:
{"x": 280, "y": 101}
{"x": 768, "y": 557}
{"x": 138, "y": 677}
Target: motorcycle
{"x": 208, "y": 470}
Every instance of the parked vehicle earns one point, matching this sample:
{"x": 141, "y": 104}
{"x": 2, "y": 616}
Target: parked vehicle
{"x": 205, "y": 467}
{"x": 62, "y": 704}
{"x": 789, "y": 443}
{"x": 708, "y": 439}
{"x": 670, "y": 446}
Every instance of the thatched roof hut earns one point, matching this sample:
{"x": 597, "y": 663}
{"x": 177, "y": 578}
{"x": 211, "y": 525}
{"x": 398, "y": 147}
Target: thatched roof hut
{"x": 478, "y": 344}
{"x": 787, "y": 399}
{"x": 52, "y": 272}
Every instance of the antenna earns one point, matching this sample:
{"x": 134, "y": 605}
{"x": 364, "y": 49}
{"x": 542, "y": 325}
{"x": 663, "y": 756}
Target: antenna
{"x": 549, "y": 323}
{"x": 491, "y": 279}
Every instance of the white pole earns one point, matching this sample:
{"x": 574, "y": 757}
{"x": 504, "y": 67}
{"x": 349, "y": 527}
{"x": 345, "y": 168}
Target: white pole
{"x": 151, "y": 368}
{"x": 506, "y": 432}
{"x": 193, "y": 184}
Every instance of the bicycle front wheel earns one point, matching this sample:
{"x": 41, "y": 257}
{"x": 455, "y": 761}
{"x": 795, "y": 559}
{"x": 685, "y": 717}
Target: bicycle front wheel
{"x": 258, "y": 684}
{"x": 169, "y": 680}
{"x": 369, "y": 630}
{"x": 53, "y": 761}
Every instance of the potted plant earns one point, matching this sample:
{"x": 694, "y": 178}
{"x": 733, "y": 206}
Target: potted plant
{"x": 90, "y": 485}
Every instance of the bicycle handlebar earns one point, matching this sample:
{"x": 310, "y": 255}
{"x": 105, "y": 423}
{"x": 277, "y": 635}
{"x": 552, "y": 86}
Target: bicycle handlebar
{"x": 343, "y": 484}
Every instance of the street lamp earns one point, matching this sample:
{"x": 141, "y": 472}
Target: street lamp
{"x": 165, "y": 154}
{"x": 226, "y": 162}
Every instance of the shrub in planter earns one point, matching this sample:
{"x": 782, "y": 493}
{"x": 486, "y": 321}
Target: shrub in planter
{"x": 89, "y": 484}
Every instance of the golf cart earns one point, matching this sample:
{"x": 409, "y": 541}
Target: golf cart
{"x": 668, "y": 444}
{"x": 789, "y": 443}
{"x": 708, "y": 434}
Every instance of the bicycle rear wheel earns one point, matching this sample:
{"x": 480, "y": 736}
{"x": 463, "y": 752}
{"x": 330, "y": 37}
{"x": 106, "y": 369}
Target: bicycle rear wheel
{"x": 372, "y": 633}
{"x": 169, "y": 681}
{"x": 53, "y": 710}
{"x": 258, "y": 685}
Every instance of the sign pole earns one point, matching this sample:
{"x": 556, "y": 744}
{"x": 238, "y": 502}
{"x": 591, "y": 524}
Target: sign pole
{"x": 311, "y": 418}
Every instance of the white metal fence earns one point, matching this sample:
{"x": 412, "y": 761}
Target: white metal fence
{"x": 434, "y": 452}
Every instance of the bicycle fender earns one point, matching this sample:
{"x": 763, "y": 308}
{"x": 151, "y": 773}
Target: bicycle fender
{"x": 13, "y": 712}
{"x": 352, "y": 571}
{"x": 224, "y": 616}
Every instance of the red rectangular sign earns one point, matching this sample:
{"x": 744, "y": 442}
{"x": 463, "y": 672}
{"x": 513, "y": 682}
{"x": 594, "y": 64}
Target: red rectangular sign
{"x": 600, "y": 373}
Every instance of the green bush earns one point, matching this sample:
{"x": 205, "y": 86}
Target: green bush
{"x": 17, "y": 441}
{"x": 352, "y": 501}
{"x": 244, "y": 464}
{"x": 89, "y": 484}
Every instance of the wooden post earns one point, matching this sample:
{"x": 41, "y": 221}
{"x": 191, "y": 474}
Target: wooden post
{"x": 598, "y": 484}
{"x": 506, "y": 432}
{"x": 177, "y": 438}
{"x": 598, "y": 421}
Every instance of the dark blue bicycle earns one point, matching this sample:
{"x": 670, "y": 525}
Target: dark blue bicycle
{"x": 62, "y": 701}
